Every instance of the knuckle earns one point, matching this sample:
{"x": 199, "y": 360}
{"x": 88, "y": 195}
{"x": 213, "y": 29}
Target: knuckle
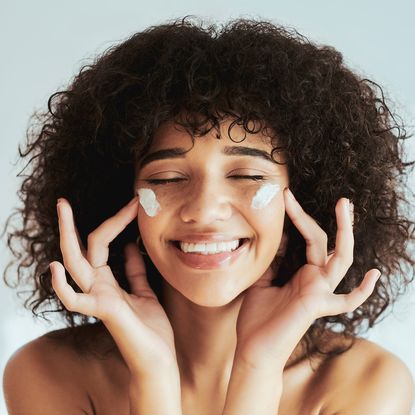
{"x": 295, "y": 217}
{"x": 92, "y": 238}
{"x": 70, "y": 306}
{"x": 68, "y": 266}
{"x": 350, "y": 308}
{"x": 349, "y": 260}
{"x": 346, "y": 259}
{"x": 321, "y": 237}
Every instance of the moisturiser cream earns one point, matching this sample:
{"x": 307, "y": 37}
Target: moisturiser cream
{"x": 264, "y": 195}
{"x": 148, "y": 201}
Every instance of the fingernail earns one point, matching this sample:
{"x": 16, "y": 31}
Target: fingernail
{"x": 290, "y": 194}
{"x": 59, "y": 200}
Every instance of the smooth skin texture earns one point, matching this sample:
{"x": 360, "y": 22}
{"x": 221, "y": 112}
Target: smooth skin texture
{"x": 185, "y": 350}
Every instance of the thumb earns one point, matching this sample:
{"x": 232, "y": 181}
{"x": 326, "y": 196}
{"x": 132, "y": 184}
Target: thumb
{"x": 135, "y": 271}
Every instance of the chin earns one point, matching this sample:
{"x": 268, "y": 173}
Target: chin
{"x": 206, "y": 302}
{"x": 217, "y": 297}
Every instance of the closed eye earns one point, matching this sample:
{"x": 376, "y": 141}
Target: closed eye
{"x": 164, "y": 181}
{"x": 179, "y": 179}
{"x": 254, "y": 177}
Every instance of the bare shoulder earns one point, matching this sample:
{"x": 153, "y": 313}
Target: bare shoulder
{"x": 48, "y": 376}
{"x": 368, "y": 379}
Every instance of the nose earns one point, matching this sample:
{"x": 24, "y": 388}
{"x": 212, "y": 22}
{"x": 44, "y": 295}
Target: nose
{"x": 207, "y": 203}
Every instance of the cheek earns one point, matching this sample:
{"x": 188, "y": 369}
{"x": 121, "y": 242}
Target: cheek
{"x": 155, "y": 202}
{"x": 264, "y": 203}
{"x": 268, "y": 214}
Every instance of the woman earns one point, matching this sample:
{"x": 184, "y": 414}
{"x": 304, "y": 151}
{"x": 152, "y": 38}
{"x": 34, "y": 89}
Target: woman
{"x": 227, "y": 202}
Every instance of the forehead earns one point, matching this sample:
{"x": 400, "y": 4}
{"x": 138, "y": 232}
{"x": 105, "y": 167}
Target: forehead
{"x": 171, "y": 134}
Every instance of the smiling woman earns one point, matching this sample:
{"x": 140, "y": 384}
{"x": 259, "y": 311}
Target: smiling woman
{"x": 230, "y": 215}
{"x": 220, "y": 213}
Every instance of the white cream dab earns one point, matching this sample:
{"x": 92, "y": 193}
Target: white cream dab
{"x": 148, "y": 201}
{"x": 264, "y": 195}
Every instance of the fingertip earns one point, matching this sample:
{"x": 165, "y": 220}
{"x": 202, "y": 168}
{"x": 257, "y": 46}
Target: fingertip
{"x": 289, "y": 194}
{"x": 133, "y": 201}
{"x": 62, "y": 201}
{"x": 376, "y": 278}
{"x": 371, "y": 280}
{"x": 290, "y": 202}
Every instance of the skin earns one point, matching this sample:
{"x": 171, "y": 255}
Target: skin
{"x": 204, "y": 306}
{"x": 224, "y": 339}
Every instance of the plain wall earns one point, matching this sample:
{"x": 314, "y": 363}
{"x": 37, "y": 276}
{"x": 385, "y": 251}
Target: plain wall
{"x": 44, "y": 44}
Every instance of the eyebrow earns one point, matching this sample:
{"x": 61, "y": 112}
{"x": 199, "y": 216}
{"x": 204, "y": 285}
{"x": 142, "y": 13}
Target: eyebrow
{"x": 177, "y": 152}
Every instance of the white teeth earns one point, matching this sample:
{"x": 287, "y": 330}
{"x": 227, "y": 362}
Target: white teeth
{"x": 210, "y": 248}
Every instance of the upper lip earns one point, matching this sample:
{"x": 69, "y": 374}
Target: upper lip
{"x": 208, "y": 237}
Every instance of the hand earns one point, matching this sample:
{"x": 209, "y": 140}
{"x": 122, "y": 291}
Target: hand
{"x": 137, "y": 321}
{"x": 272, "y": 320}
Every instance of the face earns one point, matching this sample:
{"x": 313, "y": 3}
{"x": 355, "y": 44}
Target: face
{"x": 211, "y": 219}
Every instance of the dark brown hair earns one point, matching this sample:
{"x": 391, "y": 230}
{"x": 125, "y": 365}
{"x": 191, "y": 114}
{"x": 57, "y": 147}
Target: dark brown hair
{"x": 340, "y": 138}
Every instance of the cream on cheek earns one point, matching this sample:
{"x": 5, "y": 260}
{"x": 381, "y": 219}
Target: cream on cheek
{"x": 261, "y": 199}
{"x": 149, "y": 202}
{"x": 264, "y": 195}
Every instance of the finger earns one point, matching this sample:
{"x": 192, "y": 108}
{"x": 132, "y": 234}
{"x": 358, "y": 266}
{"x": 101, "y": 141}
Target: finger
{"x": 315, "y": 238}
{"x": 346, "y": 303}
{"x": 81, "y": 245}
{"x": 101, "y": 237}
{"x": 135, "y": 272}
{"x": 73, "y": 301}
{"x": 329, "y": 256}
{"x": 74, "y": 261}
{"x": 342, "y": 258}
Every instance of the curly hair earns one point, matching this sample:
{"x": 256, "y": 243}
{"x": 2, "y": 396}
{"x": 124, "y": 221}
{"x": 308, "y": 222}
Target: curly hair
{"x": 340, "y": 138}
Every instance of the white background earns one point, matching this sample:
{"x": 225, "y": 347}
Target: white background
{"x": 44, "y": 44}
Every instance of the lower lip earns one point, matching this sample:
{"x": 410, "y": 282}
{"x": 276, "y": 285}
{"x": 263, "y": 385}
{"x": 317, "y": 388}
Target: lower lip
{"x": 211, "y": 261}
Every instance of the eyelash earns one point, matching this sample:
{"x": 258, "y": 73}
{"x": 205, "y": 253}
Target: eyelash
{"x": 256, "y": 178}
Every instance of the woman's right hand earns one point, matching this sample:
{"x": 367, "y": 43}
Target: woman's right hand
{"x": 136, "y": 321}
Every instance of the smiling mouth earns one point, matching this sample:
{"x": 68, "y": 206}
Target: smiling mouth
{"x": 203, "y": 257}
{"x": 209, "y": 248}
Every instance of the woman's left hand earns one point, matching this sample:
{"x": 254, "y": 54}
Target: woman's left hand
{"x": 272, "y": 320}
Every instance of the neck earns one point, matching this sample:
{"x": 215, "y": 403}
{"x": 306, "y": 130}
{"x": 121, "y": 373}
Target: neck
{"x": 205, "y": 340}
